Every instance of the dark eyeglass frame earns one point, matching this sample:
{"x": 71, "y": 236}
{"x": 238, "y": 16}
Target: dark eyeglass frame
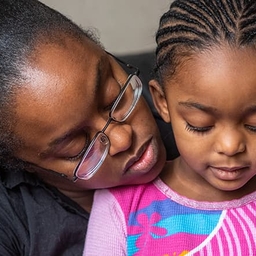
{"x": 104, "y": 138}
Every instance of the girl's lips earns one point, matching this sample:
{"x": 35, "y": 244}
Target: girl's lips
{"x": 145, "y": 159}
{"x": 225, "y": 173}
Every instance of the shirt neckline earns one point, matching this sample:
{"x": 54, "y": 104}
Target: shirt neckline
{"x": 203, "y": 205}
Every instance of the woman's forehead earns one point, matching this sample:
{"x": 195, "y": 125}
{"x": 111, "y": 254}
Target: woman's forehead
{"x": 59, "y": 89}
{"x": 55, "y": 66}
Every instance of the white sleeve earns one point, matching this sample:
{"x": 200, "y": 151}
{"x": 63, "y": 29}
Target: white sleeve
{"x": 106, "y": 234}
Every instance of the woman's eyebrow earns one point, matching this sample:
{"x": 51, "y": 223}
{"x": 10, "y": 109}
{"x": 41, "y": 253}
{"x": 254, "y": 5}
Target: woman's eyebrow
{"x": 60, "y": 139}
{"x": 99, "y": 68}
{"x": 57, "y": 142}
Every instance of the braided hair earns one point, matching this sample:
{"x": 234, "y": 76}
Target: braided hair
{"x": 190, "y": 26}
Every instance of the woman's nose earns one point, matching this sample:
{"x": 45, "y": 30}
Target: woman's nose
{"x": 120, "y": 136}
{"x": 230, "y": 142}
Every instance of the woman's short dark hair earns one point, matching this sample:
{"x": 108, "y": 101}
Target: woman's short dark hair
{"x": 24, "y": 25}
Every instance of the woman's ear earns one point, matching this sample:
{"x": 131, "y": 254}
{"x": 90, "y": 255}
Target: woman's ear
{"x": 159, "y": 100}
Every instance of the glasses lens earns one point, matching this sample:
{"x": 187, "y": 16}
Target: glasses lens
{"x": 93, "y": 157}
{"x": 128, "y": 99}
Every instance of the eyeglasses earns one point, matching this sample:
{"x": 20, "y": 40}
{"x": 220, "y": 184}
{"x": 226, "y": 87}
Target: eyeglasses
{"x": 123, "y": 106}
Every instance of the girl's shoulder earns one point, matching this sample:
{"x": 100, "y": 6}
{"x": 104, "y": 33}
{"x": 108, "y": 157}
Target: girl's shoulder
{"x": 249, "y": 199}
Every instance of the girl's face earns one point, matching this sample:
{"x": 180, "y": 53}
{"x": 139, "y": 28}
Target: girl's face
{"x": 211, "y": 103}
{"x": 65, "y": 101}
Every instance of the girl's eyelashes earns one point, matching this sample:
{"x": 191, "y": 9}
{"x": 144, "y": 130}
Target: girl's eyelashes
{"x": 192, "y": 128}
{"x": 250, "y": 127}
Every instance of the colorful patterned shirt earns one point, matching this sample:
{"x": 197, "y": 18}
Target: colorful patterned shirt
{"x": 152, "y": 219}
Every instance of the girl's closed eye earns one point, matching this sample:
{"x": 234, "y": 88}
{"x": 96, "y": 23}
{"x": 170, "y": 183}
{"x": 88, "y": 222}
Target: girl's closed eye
{"x": 198, "y": 118}
{"x": 197, "y": 129}
{"x": 251, "y": 128}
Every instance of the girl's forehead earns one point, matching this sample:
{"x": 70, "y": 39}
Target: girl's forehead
{"x": 223, "y": 78}
{"x": 215, "y": 61}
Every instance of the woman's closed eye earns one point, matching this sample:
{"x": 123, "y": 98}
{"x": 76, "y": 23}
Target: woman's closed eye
{"x": 72, "y": 149}
{"x": 110, "y": 94}
{"x": 79, "y": 155}
{"x": 110, "y": 105}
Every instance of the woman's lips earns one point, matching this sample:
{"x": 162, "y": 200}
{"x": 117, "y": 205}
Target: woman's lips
{"x": 145, "y": 159}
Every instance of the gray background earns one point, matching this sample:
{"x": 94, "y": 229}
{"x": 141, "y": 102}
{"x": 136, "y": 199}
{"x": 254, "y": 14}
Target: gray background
{"x": 123, "y": 26}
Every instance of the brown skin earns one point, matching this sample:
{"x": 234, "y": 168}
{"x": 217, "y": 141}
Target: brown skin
{"x": 211, "y": 103}
{"x": 68, "y": 90}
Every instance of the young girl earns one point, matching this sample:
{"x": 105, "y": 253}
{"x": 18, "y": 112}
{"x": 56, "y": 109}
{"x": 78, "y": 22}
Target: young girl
{"x": 204, "y": 202}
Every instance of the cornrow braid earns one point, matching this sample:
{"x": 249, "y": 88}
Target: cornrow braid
{"x": 194, "y": 25}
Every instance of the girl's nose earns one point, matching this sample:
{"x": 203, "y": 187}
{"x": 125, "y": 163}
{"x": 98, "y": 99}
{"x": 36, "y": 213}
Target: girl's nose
{"x": 120, "y": 136}
{"x": 230, "y": 142}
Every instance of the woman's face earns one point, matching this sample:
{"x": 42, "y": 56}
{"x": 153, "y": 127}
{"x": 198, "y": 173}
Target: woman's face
{"x": 65, "y": 101}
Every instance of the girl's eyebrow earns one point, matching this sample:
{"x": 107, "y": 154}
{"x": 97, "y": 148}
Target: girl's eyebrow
{"x": 250, "y": 110}
{"x": 211, "y": 110}
{"x": 199, "y": 106}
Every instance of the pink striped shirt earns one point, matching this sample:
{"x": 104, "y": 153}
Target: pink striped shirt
{"x": 152, "y": 219}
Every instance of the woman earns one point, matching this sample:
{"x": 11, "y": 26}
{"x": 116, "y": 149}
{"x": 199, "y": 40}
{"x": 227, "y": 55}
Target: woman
{"x": 59, "y": 88}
